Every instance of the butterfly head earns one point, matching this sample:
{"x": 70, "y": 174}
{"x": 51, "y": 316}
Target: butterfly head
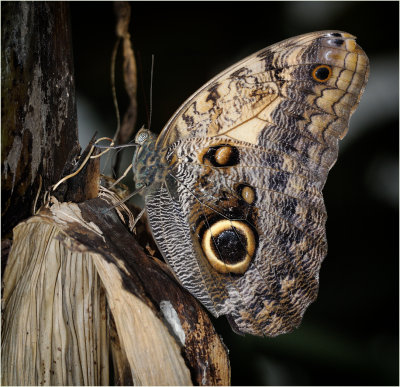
{"x": 144, "y": 136}
{"x": 146, "y": 162}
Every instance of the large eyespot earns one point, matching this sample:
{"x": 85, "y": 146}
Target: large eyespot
{"x": 223, "y": 155}
{"x": 229, "y": 246}
{"x": 321, "y": 73}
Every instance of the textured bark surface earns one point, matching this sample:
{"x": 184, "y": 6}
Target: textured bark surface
{"x": 123, "y": 13}
{"x": 39, "y": 129}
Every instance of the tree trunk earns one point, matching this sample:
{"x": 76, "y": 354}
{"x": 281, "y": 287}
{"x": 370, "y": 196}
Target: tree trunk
{"x": 39, "y": 129}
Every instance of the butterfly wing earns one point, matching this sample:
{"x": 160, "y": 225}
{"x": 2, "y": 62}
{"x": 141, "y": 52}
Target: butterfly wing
{"x": 240, "y": 216}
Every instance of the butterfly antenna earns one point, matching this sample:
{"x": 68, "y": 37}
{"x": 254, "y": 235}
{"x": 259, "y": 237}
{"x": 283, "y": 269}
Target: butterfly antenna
{"x": 144, "y": 98}
{"x": 151, "y": 90}
{"x": 147, "y": 108}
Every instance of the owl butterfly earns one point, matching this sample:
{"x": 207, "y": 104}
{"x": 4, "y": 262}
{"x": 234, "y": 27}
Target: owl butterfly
{"x": 233, "y": 184}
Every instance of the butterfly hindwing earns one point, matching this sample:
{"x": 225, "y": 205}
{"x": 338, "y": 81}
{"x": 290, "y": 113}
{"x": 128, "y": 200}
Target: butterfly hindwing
{"x": 252, "y": 206}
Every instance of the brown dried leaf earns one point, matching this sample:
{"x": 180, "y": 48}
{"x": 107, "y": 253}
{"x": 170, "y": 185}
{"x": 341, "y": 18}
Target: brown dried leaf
{"x": 65, "y": 265}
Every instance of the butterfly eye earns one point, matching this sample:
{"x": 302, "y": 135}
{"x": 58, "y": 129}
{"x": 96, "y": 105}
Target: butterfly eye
{"x": 321, "y": 73}
{"x": 141, "y": 137}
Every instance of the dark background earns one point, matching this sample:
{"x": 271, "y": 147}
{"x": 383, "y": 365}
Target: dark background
{"x": 349, "y": 336}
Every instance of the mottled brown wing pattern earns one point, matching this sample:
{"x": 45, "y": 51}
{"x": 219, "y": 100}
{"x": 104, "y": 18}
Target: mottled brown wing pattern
{"x": 273, "y": 91}
{"x": 236, "y": 205}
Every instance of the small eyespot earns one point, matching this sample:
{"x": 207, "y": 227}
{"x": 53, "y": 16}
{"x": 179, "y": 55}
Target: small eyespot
{"x": 338, "y": 42}
{"x": 321, "y": 73}
{"x": 223, "y": 155}
{"x": 247, "y": 193}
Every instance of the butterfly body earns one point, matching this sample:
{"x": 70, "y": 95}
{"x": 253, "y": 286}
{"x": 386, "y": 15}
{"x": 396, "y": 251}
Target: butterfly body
{"x": 149, "y": 162}
{"x": 235, "y": 179}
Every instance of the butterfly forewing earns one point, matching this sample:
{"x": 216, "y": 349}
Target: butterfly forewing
{"x": 239, "y": 214}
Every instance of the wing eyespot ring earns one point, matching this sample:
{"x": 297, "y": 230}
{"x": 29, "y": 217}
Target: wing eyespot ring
{"x": 321, "y": 73}
{"x": 223, "y": 245}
